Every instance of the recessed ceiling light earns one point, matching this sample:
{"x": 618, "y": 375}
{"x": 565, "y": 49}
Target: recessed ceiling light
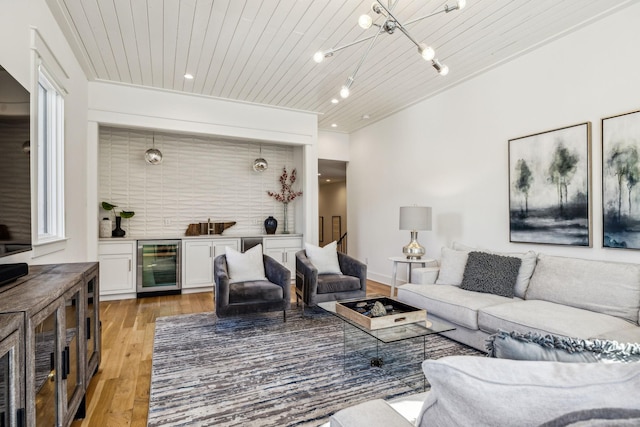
{"x": 365, "y": 117}
{"x": 333, "y": 125}
{"x": 188, "y": 76}
{"x": 334, "y": 101}
{"x": 328, "y": 180}
{"x": 319, "y": 174}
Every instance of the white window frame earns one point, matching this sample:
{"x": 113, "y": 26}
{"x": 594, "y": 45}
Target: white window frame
{"x": 49, "y": 227}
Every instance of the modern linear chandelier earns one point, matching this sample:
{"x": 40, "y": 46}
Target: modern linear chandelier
{"x": 389, "y": 25}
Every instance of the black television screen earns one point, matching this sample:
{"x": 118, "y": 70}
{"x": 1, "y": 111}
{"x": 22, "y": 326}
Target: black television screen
{"x": 15, "y": 169}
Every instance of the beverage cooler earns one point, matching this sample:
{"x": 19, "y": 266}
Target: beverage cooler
{"x": 158, "y": 267}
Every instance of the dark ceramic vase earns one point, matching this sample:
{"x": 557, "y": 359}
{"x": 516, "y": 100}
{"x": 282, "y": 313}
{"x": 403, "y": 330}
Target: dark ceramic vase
{"x": 270, "y": 225}
{"x": 118, "y": 231}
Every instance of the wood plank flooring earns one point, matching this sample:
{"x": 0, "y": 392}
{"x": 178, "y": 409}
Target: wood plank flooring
{"x": 118, "y": 394}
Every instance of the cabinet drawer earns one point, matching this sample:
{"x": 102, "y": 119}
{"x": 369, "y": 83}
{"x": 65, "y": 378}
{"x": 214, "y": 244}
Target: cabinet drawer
{"x": 116, "y": 248}
{"x": 282, "y": 242}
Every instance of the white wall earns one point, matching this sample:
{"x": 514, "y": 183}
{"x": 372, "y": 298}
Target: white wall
{"x": 16, "y": 20}
{"x": 450, "y": 152}
{"x": 333, "y": 146}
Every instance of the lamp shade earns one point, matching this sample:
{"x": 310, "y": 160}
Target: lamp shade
{"x": 415, "y": 218}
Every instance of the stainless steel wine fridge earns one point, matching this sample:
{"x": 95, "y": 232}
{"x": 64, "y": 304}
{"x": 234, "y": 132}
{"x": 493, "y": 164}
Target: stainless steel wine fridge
{"x": 158, "y": 267}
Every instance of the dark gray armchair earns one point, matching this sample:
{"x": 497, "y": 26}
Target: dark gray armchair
{"x": 233, "y": 299}
{"x": 315, "y": 288}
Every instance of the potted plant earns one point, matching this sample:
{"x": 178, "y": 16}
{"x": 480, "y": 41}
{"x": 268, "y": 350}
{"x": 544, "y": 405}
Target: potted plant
{"x": 118, "y": 231}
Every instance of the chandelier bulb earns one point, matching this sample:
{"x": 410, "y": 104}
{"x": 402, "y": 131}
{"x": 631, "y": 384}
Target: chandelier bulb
{"x": 365, "y": 22}
{"x": 427, "y": 52}
{"x": 442, "y": 69}
{"x": 318, "y": 56}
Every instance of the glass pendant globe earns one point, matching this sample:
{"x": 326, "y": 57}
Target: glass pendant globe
{"x": 153, "y": 156}
{"x": 260, "y": 165}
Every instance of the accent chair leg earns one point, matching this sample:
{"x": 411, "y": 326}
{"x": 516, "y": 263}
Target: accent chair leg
{"x": 284, "y": 316}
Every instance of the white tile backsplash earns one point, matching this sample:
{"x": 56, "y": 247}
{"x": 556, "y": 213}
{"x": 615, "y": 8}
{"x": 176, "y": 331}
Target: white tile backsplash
{"x": 199, "y": 178}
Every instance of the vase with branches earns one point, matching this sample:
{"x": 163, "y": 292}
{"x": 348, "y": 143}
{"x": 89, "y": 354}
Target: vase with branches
{"x": 286, "y": 193}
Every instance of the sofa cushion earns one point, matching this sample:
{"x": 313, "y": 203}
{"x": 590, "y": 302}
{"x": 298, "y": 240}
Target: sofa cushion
{"x": 630, "y": 334}
{"x": 547, "y": 318}
{"x": 372, "y": 413}
{"x": 452, "y": 264}
{"x": 527, "y": 266}
{"x": 449, "y": 302}
{"x": 597, "y": 417}
{"x": 605, "y": 287}
{"x": 534, "y": 346}
{"x": 490, "y": 273}
{"x": 501, "y": 392}
{"x": 330, "y": 283}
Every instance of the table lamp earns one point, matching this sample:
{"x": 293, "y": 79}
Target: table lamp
{"x": 414, "y": 218}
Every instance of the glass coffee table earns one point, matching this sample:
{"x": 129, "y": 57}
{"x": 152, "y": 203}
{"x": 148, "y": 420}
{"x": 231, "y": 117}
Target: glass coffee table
{"x": 398, "y": 350}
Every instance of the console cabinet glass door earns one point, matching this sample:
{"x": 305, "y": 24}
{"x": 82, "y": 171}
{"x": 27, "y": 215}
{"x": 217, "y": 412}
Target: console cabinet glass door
{"x": 92, "y": 327}
{"x": 11, "y": 370}
{"x": 44, "y": 379}
{"x": 71, "y": 356}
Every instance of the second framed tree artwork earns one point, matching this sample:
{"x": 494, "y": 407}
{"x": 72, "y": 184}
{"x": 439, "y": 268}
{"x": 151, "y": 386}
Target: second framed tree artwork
{"x": 620, "y": 181}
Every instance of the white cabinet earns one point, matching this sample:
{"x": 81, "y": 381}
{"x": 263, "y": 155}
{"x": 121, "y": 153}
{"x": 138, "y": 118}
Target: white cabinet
{"x": 197, "y": 260}
{"x": 283, "y": 250}
{"x": 117, "y": 267}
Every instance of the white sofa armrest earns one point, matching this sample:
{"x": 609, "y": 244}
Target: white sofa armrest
{"x": 424, "y": 275}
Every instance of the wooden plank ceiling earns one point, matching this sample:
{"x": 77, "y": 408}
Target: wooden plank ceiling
{"x": 261, "y": 51}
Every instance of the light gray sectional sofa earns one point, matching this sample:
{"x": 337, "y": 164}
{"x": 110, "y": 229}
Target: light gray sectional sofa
{"x": 552, "y": 295}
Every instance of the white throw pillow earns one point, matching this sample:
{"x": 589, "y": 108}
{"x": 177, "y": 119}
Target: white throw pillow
{"x": 452, "y": 265}
{"x": 471, "y": 390}
{"x": 324, "y": 259}
{"x": 244, "y": 267}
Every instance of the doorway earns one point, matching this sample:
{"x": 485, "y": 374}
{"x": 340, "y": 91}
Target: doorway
{"x": 332, "y": 203}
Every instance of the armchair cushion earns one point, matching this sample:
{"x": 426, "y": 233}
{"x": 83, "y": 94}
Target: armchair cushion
{"x": 247, "y": 266}
{"x": 325, "y": 259}
{"x": 329, "y": 283}
{"x": 257, "y": 290}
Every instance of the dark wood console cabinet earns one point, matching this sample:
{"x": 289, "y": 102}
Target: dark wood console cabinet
{"x": 50, "y": 330}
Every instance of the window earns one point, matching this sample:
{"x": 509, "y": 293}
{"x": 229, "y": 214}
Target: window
{"x": 50, "y": 172}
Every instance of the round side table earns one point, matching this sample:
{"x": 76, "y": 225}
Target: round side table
{"x": 410, "y": 262}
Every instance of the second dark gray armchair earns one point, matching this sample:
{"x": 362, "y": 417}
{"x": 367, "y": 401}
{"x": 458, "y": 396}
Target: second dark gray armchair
{"x": 315, "y": 288}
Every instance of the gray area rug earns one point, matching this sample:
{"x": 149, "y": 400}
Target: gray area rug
{"x": 259, "y": 371}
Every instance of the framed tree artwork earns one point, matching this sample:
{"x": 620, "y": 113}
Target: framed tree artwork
{"x": 549, "y": 186}
{"x": 620, "y": 178}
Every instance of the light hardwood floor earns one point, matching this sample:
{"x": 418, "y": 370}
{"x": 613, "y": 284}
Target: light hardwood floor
{"x": 118, "y": 394}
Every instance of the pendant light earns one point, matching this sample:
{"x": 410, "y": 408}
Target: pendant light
{"x": 260, "y": 164}
{"x": 153, "y": 156}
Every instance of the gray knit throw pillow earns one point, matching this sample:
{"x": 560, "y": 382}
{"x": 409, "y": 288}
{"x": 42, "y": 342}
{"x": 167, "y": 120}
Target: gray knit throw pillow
{"x": 492, "y": 274}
